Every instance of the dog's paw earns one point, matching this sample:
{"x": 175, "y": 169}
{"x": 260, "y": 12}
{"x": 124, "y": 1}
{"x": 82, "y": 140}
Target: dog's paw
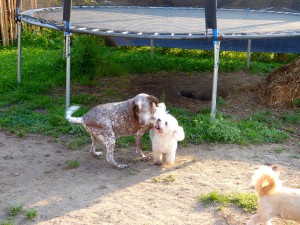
{"x": 157, "y": 163}
{"x": 145, "y": 158}
{"x": 121, "y": 166}
{"x": 98, "y": 153}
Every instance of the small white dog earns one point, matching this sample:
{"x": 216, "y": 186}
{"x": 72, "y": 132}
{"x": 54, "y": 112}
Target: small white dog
{"x": 165, "y": 135}
{"x": 273, "y": 199}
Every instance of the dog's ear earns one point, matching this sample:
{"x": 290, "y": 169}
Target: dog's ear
{"x": 178, "y": 133}
{"x": 134, "y": 109}
{"x": 153, "y": 103}
{"x": 153, "y": 99}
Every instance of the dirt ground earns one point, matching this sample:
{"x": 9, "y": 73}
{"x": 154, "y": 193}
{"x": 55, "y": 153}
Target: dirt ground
{"x": 32, "y": 167}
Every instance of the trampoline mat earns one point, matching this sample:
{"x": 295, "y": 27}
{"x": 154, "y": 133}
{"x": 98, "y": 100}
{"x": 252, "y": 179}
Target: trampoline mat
{"x": 170, "y": 20}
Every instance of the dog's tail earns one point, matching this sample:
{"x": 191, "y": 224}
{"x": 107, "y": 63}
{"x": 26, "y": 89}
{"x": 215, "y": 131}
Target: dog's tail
{"x": 265, "y": 181}
{"x": 69, "y": 113}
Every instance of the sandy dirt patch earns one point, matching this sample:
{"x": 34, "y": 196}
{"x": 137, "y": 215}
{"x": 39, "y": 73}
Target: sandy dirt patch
{"x": 32, "y": 173}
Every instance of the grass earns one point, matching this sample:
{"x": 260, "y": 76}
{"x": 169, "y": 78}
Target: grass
{"x": 7, "y": 222}
{"x": 280, "y": 150}
{"x": 227, "y": 129}
{"x": 15, "y": 210}
{"x": 72, "y": 164}
{"x": 18, "y": 209}
{"x": 246, "y": 201}
{"x": 168, "y": 179}
{"x": 31, "y": 214}
{"x": 37, "y": 104}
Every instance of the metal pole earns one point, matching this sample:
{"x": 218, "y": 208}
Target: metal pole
{"x": 66, "y": 17}
{"x": 19, "y": 33}
{"x": 68, "y": 67}
{"x": 248, "y": 53}
{"x": 152, "y": 46}
{"x": 215, "y": 81}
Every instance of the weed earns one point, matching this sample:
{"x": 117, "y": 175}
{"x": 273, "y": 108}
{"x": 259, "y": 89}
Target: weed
{"x": 205, "y": 110}
{"x": 21, "y": 133}
{"x": 79, "y": 142}
{"x": 227, "y": 130}
{"x": 220, "y": 101}
{"x": 8, "y": 157}
{"x": 132, "y": 172}
{"x": 18, "y": 209}
{"x": 212, "y": 197}
{"x": 15, "y": 210}
{"x": 169, "y": 179}
{"x": 31, "y": 214}
{"x": 280, "y": 150}
{"x": 296, "y": 102}
{"x": 156, "y": 179}
{"x": 247, "y": 201}
{"x": 73, "y": 164}
{"x": 266, "y": 118}
{"x": 295, "y": 156}
{"x": 293, "y": 118}
{"x": 124, "y": 142}
{"x": 7, "y": 222}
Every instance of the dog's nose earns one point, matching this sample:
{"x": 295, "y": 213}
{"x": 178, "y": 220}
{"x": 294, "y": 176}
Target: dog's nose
{"x": 158, "y": 120}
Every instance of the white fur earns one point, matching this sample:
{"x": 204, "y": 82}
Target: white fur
{"x": 69, "y": 113}
{"x": 165, "y": 135}
{"x": 274, "y": 200}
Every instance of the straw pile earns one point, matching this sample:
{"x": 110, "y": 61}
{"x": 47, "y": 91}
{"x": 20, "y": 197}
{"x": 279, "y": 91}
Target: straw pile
{"x": 282, "y": 86}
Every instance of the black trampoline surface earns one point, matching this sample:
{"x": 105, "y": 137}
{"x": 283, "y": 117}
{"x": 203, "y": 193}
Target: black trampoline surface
{"x": 168, "y": 21}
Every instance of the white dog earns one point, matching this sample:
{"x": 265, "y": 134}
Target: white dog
{"x": 164, "y": 136}
{"x": 273, "y": 199}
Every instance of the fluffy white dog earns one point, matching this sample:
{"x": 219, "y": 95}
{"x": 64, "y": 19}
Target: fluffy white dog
{"x": 273, "y": 199}
{"x": 165, "y": 135}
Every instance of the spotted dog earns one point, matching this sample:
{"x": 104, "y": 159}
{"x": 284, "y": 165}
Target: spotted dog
{"x": 105, "y": 123}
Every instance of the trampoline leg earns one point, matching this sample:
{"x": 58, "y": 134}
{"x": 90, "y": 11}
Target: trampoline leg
{"x": 19, "y": 33}
{"x": 152, "y": 47}
{"x": 248, "y": 53}
{"x": 68, "y": 69}
{"x": 215, "y": 81}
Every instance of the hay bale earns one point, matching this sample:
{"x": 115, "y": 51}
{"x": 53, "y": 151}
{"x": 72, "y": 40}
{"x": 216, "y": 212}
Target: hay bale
{"x": 282, "y": 86}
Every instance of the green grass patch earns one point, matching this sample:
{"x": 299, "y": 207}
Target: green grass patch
{"x": 31, "y": 214}
{"x": 292, "y": 118}
{"x": 226, "y": 129}
{"x": 72, "y": 164}
{"x": 280, "y": 150}
{"x": 15, "y": 210}
{"x": 246, "y": 201}
{"x": 37, "y": 104}
{"x": 7, "y": 222}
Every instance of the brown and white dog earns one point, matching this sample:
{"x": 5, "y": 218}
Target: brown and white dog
{"x": 105, "y": 123}
{"x": 274, "y": 200}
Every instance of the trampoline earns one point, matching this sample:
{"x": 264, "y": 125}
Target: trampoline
{"x": 264, "y": 26}
{"x": 167, "y": 22}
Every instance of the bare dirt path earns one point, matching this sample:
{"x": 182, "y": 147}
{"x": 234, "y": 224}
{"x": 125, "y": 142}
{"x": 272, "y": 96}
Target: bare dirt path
{"x": 32, "y": 173}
